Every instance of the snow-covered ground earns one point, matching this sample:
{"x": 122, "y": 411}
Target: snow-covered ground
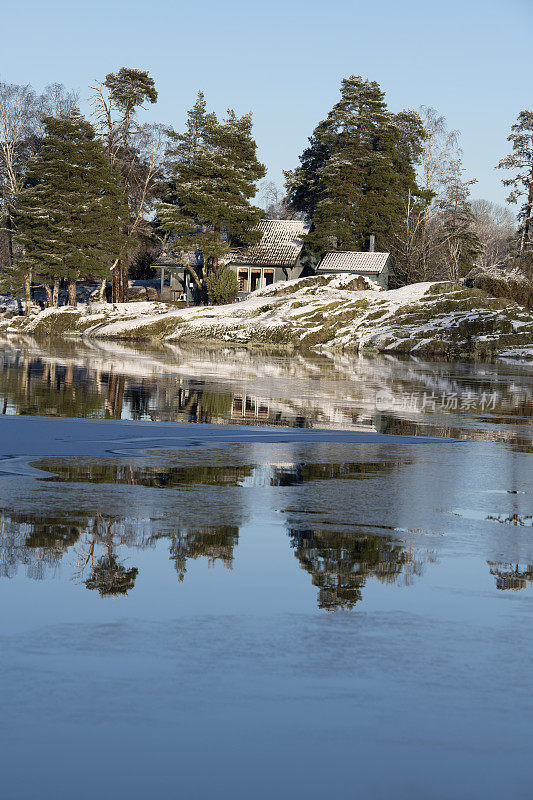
{"x": 321, "y": 312}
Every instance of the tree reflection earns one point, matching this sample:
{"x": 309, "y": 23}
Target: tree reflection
{"x": 111, "y": 578}
{"x": 114, "y": 471}
{"x": 108, "y": 575}
{"x": 40, "y": 543}
{"x": 340, "y": 563}
{"x": 214, "y": 543}
{"x": 37, "y": 543}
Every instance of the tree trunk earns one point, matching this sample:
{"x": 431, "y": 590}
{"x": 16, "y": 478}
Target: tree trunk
{"x": 116, "y": 282}
{"x": 124, "y": 274}
{"x": 101, "y": 295}
{"x": 72, "y": 294}
{"x": 194, "y": 275}
{"x": 49, "y": 296}
{"x": 9, "y": 228}
{"x": 55, "y": 294}
{"x": 524, "y": 239}
{"x": 27, "y": 292}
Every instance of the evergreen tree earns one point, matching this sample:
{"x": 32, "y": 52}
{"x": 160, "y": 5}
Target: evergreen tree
{"x": 222, "y": 286}
{"x": 132, "y": 148}
{"x": 128, "y": 90}
{"x": 357, "y": 170}
{"x": 303, "y": 184}
{"x": 213, "y": 175}
{"x": 521, "y": 159}
{"x": 70, "y": 215}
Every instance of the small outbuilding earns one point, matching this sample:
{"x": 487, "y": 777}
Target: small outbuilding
{"x": 376, "y": 266}
{"x": 177, "y": 284}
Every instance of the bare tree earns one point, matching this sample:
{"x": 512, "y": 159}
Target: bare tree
{"x": 55, "y": 101}
{"x": 438, "y": 169}
{"x": 272, "y": 199}
{"x": 455, "y": 229}
{"x": 18, "y": 114}
{"x": 494, "y": 226}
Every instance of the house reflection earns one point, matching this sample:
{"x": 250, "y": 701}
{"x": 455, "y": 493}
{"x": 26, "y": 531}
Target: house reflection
{"x": 249, "y": 408}
{"x": 509, "y": 577}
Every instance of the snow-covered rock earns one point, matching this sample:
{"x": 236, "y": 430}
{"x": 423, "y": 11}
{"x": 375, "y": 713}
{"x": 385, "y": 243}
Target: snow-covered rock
{"x": 321, "y": 312}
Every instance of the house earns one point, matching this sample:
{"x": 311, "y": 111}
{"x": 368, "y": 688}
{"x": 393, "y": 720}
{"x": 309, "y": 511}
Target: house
{"x": 276, "y": 257}
{"x": 376, "y": 266}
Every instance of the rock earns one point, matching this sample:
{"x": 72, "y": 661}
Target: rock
{"x": 136, "y": 293}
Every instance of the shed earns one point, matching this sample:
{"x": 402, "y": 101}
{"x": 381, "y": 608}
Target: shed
{"x": 376, "y": 266}
{"x": 180, "y": 287}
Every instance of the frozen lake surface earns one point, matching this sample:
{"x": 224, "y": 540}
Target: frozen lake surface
{"x": 299, "y": 605}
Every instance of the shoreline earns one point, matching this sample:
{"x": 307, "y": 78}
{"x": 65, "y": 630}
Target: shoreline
{"x": 426, "y": 320}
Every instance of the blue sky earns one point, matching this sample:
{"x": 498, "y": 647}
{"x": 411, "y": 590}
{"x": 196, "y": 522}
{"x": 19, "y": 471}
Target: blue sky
{"x": 285, "y": 60}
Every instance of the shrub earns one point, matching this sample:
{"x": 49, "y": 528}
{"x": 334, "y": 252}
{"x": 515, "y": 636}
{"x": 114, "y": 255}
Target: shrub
{"x": 222, "y": 286}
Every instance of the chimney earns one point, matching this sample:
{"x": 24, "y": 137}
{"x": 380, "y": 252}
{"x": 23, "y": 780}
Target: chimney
{"x": 372, "y": 244}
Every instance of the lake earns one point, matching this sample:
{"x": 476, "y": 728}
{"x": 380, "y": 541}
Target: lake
{"x": 319, "y": 583}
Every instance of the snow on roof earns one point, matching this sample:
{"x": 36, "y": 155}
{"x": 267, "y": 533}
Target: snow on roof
{"x": 164, "y": 260}
{"x": 173, "y": 260}
{"x": 280, "y": 245}
{"x": 353, "y": 261}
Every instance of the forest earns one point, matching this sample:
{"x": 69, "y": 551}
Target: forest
{"x": 96, "y": 199}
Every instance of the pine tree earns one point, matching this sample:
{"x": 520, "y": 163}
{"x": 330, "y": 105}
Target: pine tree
{"x": 69, "y": 217}
{"x": 128, "y": 89}
{"x": 521, "y": 159}
{"x": 213, "y": 175}
{"x": 357, "y": 170}
{"x": 303, "y": 184}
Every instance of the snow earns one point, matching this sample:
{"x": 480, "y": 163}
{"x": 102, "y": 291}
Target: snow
{"x": 320, "y": 307}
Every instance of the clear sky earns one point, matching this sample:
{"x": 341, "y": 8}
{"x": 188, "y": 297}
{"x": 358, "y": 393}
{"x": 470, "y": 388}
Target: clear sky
{"x": 284, "y": 59}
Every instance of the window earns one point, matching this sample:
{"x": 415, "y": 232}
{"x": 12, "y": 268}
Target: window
{"x": 269, "y": 277}
{"x": 255, "y": 280}
{"x": 242, "y": 277}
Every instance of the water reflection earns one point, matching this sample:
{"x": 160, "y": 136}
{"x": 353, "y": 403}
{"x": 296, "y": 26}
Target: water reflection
{"x": 165, "y": 475}
{"x": 511, "y": 577}
{"x": 341, "y": 563}
{"x": 347, "y": 522}
{"x": 214, "y": 544}
{"x": 99, "y": 552}
{"x": 102, "y": 551}
{"x": 110, "y": 380}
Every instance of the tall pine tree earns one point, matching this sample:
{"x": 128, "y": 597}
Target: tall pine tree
{"x": 126, "y": 144}
{"x": 359, "y": 165}
{"x": 213, "y": 171}
{"x": 521, "y": 160}
{"x": 69, "y": 217}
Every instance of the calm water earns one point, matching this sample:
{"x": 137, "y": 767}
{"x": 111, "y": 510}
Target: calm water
{"x": 291, "y": 619}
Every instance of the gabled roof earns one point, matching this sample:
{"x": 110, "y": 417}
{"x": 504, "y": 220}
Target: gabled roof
{"x": 177, "y": 259}
{"x": 353, "y": 261}
{"x": 164, "y": 259}
{"x": 280, "y": 245}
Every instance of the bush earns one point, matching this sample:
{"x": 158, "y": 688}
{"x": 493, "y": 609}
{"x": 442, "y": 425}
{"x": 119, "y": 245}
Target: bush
{"x": 503, "y": 283}
{"x": 222, "y": 286}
